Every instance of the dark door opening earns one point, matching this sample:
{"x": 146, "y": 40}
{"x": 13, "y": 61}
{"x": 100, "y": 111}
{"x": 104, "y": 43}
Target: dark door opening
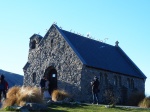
{"x": 51, "y": 74}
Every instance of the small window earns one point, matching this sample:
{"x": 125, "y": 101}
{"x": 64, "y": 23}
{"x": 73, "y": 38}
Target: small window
{"x": 128, "y": 83}
{"x": 115, "y": 81}
{"x": 101, "y": 78}
{"x": 119, "y": 81}
{"x": 106, "y": 79}
{"x": 34, "y": 78}
{"x": 33, "y": 44}
{"x": 54, "y": 75}
{"x": 132, "y": 84}
{"x": 52, "y": 41}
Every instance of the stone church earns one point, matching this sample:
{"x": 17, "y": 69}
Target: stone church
{"x": 70, "y": 61}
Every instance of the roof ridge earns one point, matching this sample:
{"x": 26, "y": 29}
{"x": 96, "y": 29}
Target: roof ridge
{"x": 47, "y": 33}
{"x": 87, "y": 37}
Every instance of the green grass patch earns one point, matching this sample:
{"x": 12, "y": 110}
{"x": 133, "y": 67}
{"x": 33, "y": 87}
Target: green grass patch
{"x": 90, "y": 108}
{"x": 84, "y": 108}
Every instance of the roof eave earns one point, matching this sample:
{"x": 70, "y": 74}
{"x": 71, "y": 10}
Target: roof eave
{"x": 114, "y": 72}
{"x": 133, "y": 64}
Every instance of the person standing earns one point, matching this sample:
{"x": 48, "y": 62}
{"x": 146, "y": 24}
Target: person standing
{"x": 42, "y": 84}
{"x": 46, "y": 92}
{"x": 95, "y": 90}
{"x": 3, "y": 86}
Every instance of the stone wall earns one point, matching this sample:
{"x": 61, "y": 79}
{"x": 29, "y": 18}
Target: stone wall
{"x": 115, "y": 82}
{"x": 54, "y": 51}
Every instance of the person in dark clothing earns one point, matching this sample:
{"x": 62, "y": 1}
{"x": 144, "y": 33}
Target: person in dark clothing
{"x": 3, "y": 86}
{"x": 95, "y": 90}
{"x": 42, "y": 84}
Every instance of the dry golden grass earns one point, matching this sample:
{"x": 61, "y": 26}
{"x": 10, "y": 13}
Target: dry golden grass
{"x": 20, "y": 95}
{"x": 59, "y": 95}
{"x": 13, "y": 91}
{"x": 145, "y": 103}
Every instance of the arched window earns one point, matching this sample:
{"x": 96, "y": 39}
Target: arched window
{"x": 33, "y": 44}
{"x": 33, "y": 77}
{"x": 128, "y": 83}
{"x": 101, "y": 78}
{"x": 132, "y": 84}
{"x": 106, "y": 79}
{"x": 52, "y": 41}
{"x": 119, "y": 81}
{"x": 115, "y": 81}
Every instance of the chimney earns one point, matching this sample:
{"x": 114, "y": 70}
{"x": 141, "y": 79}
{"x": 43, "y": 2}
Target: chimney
{"x": 117, "y": 43}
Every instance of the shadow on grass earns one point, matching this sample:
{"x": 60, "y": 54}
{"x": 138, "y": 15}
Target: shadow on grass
{"x": 121, "y": 108}
{"x": 53, "y": 107}
{"x": 68, "y": 105}
{"x": 54, "y": 110}
{"x": 131, "y": 109}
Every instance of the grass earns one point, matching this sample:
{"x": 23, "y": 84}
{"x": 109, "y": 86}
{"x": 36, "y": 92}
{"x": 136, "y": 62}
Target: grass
{"x": 89, "y": 108}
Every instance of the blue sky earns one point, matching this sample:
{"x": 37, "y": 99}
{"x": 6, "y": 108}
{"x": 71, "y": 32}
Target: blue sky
{"x": 127, "y": 21}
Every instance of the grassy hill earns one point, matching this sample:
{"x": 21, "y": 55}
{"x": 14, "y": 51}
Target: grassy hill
{"x": 12, "y": 78}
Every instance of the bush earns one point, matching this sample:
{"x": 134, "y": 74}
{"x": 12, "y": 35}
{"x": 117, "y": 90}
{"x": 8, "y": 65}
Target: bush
{"x": 145, "y": 103}
{"x": 58, "y": 95}
{"x": 135, "y": 98}
{"x": 111, "y": 96}
{"x": 20, "y": 95}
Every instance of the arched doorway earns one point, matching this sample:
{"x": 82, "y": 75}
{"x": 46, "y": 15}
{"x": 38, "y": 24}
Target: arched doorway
{"x": 51, "y": 74}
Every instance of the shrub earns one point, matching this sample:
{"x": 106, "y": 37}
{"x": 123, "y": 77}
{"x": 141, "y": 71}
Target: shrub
{"x": 58, "y": 95}
{"x": 13, "y": 91}
{"x": 111, "y": 98}
{"x": 20, "y": 95}
{"x": 145, "y": 103}
{"x": 29, "y": 94}
{"x": 135, "y": 98}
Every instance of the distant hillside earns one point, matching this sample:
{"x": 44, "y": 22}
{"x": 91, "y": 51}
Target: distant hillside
{"x": 12, "y": 78}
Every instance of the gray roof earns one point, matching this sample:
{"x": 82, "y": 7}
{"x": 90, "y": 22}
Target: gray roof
{"x": 36, "y": 36}
{"x": 100, "y": 55}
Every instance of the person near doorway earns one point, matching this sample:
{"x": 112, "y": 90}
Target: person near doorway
{"x": 42, "y": 84}
{"x": 46, "y": 92}
{"x": 3, "y": 87}
{"x": 95, "y": 90}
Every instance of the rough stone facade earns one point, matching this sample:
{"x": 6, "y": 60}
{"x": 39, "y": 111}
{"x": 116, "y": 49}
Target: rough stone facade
{"x": 53, "y": 53}
{"x": 121, "y": 85}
